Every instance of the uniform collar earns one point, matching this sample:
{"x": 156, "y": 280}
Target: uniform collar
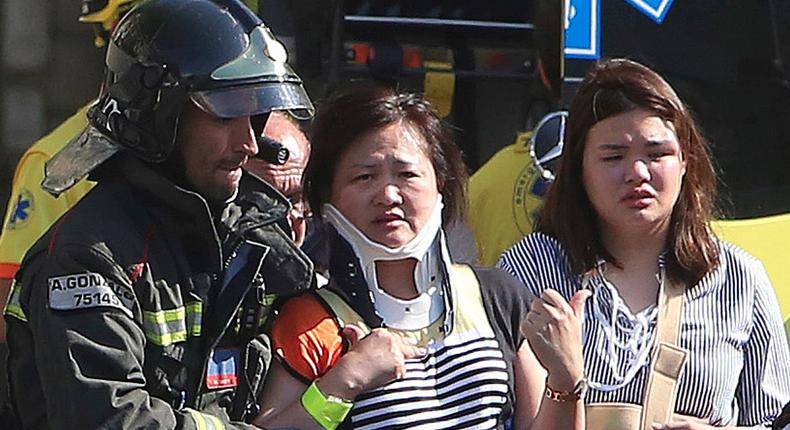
{"x": 267, "y": 203}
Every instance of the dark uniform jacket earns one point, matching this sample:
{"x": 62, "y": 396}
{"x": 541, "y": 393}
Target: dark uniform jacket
{"x": 141, "y": 309}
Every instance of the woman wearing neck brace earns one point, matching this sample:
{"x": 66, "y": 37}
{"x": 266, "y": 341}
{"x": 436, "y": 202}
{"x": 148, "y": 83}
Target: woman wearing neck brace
{"x": 387, "y": 177}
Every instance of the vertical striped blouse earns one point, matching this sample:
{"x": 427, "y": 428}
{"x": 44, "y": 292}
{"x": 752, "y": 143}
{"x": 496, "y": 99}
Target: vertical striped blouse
{"x": 738, "y": 369}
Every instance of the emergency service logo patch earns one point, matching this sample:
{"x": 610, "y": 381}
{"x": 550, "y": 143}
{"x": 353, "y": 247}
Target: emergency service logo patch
{"x": 22, "y": 211}
{"x": 528, "y": 194}
{"x": 86, "y": 291}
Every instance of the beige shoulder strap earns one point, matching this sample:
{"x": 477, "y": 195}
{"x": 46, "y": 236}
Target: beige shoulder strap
{"x": 668, "y": 358}
{"x": 670, "y": 306}
{"x": 342, "y": 310}
{"x": 462, "y": 274}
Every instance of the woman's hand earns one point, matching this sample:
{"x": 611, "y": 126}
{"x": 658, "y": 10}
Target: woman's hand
{"x": 371, "y": 362}
{"x": 684, "y": 422}
{"x": 553, "y": 328}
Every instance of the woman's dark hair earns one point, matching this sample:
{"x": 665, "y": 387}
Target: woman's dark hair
{"x": 359, "y": 109}
{"x": 611, "y": 88}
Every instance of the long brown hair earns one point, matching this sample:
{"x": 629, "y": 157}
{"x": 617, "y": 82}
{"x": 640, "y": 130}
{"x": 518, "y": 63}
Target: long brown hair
{"x": 611, "y": 88}
{"x": 362, "y": 108}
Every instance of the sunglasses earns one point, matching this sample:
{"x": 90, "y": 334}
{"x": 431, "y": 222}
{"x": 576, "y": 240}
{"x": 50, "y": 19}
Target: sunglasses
{"x": 546, "y": 142}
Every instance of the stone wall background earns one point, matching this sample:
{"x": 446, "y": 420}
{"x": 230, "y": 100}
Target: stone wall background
{"x": 49, "y": 68}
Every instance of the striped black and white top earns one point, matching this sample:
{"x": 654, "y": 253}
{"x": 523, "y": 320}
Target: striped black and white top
{"x": 738, "y": 369}
{"x": 461, "y": 384}
{"x": 465, "y": 381}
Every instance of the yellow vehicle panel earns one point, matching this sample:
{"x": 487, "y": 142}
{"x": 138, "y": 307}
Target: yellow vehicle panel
{"x": 766, "y": 238}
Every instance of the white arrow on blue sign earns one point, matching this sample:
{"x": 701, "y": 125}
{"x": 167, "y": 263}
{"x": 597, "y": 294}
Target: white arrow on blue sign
{"x": 582, "y": 29}
{"x": 655, "y": 9}
{"x": 583, "y": 24}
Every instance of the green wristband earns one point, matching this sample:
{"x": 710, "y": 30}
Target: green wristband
{"x": 329, "y": 411}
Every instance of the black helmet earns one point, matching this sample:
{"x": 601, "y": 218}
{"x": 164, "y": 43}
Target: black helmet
{"x": 215, "y": 53}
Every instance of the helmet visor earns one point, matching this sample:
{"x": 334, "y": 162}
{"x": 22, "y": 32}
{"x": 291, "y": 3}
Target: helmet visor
{"x": 78, "y": 158}
{"x": 255, "y": 99}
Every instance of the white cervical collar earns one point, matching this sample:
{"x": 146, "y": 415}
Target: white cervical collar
{"x": 430, "y": 253}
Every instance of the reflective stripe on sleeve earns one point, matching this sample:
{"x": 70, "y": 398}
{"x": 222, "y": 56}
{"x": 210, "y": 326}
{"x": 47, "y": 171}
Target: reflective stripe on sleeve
{"x": 14, "y": 305}
{"x": 194, "y": 318}
{"x": 205, "y": 421}
{"x": 165, "y": 327}
{"x": 173, "y": 325}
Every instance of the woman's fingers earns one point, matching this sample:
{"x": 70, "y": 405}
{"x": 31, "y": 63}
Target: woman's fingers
{"x": 556, "y": 300}
{"x": 408, "y": 340}
{"x": 553, "y": 329}
{"x": 578, "y": 300}
{"x": 535, "y": 322}
{"x": 549, "y": 309}
{"x": 687, "y": 425}
{"x": 406, "y": 348}
{"x": 353, "y": 334}
{"x": 413, "y": 351}
{"x": 543, "y": 308}
{"x": 537, "y": 305}
{"x": 554, "y": 307}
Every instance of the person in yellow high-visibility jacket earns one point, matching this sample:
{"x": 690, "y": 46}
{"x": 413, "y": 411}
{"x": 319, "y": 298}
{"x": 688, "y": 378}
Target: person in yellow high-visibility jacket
{"x": 506, "y": 194}
{"x": 31, "y": 210}
{"x": 503, "y": 205}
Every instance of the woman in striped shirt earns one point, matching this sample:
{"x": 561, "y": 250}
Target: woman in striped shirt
{"x": 386, "y": 176}
{"x": 628, "y": 218}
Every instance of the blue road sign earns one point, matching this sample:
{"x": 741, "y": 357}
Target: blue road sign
{"x": 583, "y": 29}
{"x": 655, "y": 9}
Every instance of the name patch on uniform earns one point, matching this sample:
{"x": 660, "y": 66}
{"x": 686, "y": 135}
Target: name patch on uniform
{"x": 221, "y": 372}
{"x": 86, "y": 291}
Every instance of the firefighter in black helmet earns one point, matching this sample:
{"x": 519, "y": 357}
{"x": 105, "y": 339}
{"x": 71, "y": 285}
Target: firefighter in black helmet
{"x": 142, "y": 306}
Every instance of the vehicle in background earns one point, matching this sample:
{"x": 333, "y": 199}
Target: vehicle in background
{"x": 495, "y": 68}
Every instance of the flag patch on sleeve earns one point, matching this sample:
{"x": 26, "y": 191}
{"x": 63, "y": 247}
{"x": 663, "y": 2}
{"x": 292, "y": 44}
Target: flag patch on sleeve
{"x": 222, "y": 367}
